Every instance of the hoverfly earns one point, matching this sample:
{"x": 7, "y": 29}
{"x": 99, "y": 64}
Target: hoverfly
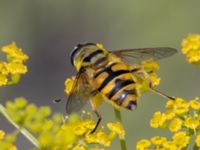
{"x": 109, "y": 74}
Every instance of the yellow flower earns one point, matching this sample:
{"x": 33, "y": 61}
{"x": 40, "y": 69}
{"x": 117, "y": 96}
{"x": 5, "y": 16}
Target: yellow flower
{"x": 197, "y": 141}
{"x": 117, "y": 129}
{"x": 143, "y": 144}
{"x": 170, "y": 104}
{"x": 84, "y": 126}
{"x": 192, "y": 123}
{"x": 168, "y": 145}
{"x": 181, "y": 139}
{"x": 154, "y": 78}
{"x": 16, "y": 53}
{"x": 175, "y": 125}
{"x": 98, "y": 137}
{"x": 16, "y": 68}
{"x": 195, "y": 104}
{"x": 180, "y": 106}
{"x": 97, "y": 148}
{"x": 3, "y": 80}
{"x": 12, "y": 147}
{"x": 3, "y": 68}
{"x": 191, "y": 47}
{"x": 66, "y": 133}
{"x": 69, "y": 84}
{"x": 157, "y": 140}
{"x": 2, "y": 134}
{"x": 11, "y": 70}
{"x": 157, "y": 120}
{"x": 170, "y": 114}
{"x": 45, "y": 139}
{"x": 79, "y": 147}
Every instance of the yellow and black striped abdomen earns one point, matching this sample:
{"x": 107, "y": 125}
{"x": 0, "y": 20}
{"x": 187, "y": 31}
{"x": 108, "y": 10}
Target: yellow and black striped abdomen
{"x": 117, "y": 83}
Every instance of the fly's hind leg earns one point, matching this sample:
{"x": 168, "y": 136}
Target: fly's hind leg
{"x": 146, "y": 75}
{"x": 98, "y": 116}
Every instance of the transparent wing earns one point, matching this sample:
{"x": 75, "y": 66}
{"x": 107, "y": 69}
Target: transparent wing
{"x": 80, "y": 93}
{"x": 132, "y": 56}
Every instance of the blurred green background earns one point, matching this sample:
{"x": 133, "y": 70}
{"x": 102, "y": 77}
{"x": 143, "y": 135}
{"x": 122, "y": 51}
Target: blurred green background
{"x": 48, "y": 30}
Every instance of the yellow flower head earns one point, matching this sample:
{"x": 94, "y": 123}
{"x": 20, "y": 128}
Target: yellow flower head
{"x": 143, "y": 144}
{"x": 150, "y": 67}
{"x": 170, "y": 114}
{"x": 197, "y": 141}
{"x": 97, "y": 148}
{"x": 192, "y": 123}
{"x": 84, "y": 126}
{"x": 181, "y": 139}
{"x": 99, "y": 137}
{"x": 157, "y": 140}
{"x": 69, "y": 82}
{"x": 158, "y": 120}
{"x": 179, "y": 106}
{"x": 12, "y": 147}
{"x": 14, "y": 52}
{"x": 169, "y": 145}
{"x": 3, "y": 80}
{"x": 175, "y": 125}
{"x": 117, "y": 129}
{"x": 155, "y": 79}
{"x": 79, "y": 147}
{"x": 2, "y": 134}
{"x": 16, "y": 68}
{"x": 11, "y": 70}
{"x": 194, "y": 104}
{"x": 191, "y": 47}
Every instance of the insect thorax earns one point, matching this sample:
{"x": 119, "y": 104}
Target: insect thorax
{"x": 89, "y": 55}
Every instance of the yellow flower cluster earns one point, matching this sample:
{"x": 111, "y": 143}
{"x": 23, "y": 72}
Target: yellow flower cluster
{"x": 143, "y": 83}
{"x": 11, "y": 70}
{"x": 76, "y": 134}
{"x": 52, "y": 133}
{"x": 182, "y": 118}
{"x": 2, "y": 134}
{"x": 191, "y": 48}
{"x": 179, "y": 141}
{"x": 6, "y": 141}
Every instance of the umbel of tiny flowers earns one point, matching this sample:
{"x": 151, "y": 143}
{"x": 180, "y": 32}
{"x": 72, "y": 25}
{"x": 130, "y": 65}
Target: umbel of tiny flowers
{"x": 182, "y": 119}
{"x": 7, "y": 140}
{"x": 191, "y": 48}
{"x": 12, "y": 69}
{"x": 50, "y": 132}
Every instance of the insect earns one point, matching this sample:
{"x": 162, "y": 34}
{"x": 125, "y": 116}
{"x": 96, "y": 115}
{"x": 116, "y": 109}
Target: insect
{"x": 109, "y": 74}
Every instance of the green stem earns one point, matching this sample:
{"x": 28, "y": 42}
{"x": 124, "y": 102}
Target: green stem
{"x": 195, "y": 147}
{"x": 119, "y": 118}
{"x": 25, "y": 132}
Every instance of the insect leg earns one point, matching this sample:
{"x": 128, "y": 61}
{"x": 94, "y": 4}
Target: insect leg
{"x": 146, "y": 75}
{"x": 98, "y": 116}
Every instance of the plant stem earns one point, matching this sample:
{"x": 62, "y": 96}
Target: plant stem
{"x": 119, "y": 118}
{"x": 195, "y": 147}
{"x": 25, "y": 132}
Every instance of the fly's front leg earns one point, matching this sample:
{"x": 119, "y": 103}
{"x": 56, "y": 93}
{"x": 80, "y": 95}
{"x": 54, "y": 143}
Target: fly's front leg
{"x": 146, "y": 75}
{"x": 98, "y": 116}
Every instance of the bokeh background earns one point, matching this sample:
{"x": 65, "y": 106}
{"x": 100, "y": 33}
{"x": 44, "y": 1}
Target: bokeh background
{"x": 48, "y": 30}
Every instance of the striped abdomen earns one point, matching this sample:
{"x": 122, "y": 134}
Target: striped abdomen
{"x": 116, "y": 82}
